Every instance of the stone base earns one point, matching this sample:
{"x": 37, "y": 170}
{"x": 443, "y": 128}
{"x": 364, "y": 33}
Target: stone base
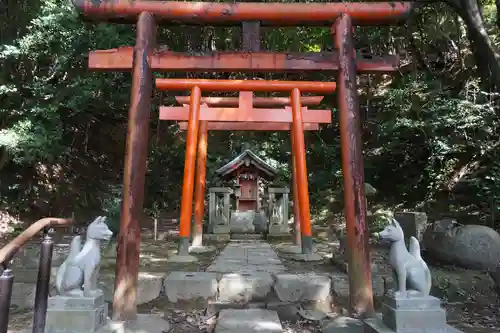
{"x": 343, "y": 324}
{"x": 290, "y": 249}
{"x": 218, "y": 238}
{"x": 143, "y": 324}
{"x": 201, "y": 249}
{"x": 307, "y": 257}
{"x": 278, "y": 230}
{"x": 375, "y": 325}
{"x": 184, "y": 286}
{"x": 245, "y": 287}
{"x": 246, "y": 237}
{"x": 221, "y": 229}
{"x": 242, "y": 222}
{"x": 248, "y": 321}
{"x": 182, "y": 259}
{"x": 414, "y": 313}
{"x": 76, "y": 314}
{"x": 302, "y": 287}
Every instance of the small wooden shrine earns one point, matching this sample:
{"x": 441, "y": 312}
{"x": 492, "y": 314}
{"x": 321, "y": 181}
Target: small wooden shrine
{"x": 247, "y": 170}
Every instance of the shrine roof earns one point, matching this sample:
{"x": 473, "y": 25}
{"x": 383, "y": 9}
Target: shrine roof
{"x": 247, "y": 158}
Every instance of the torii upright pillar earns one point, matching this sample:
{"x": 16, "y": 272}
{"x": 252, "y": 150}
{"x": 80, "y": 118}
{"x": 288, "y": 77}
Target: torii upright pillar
{"x": 360, "y": 278}
{"x": 129, "y": 238}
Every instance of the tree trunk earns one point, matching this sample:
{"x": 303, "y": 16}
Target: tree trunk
{"x": 487, "y": 59}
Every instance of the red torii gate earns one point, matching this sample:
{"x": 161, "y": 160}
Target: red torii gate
{"x": 245, "y": 99}
{"x": 145, "y": 58}
{"x": 245, "y": 113}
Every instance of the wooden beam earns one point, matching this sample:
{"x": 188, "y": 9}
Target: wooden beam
{"x": 258, "y": 102}
{"x": 180, "y": 113}
{"x": 245, "y": 85}
{"x": 241, "y": 126}
{"x": 274, "y": 13}
{"x": 120, "y": 59}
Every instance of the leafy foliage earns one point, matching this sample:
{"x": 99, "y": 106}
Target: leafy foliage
{"x": 430, "y": 132}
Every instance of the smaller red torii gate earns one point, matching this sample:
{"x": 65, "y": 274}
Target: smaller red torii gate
{"x": 246, "y": 113}
{"x": 248, "y": 101}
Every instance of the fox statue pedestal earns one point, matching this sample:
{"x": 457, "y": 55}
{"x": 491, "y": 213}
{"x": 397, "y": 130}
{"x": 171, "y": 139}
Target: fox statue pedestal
{"x": 67, "y": 314}
{"x": 414, "y": 313}
{"x": 80, "y": 306}
{"x": 410, "y": 308}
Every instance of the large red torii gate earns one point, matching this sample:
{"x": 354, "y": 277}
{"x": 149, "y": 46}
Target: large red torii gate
{"x": 145, "y": 57}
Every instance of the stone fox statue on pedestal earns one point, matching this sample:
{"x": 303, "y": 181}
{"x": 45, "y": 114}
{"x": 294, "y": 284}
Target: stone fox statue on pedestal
{"x": 81, "y": 268}
{"x": 410, "y": 270}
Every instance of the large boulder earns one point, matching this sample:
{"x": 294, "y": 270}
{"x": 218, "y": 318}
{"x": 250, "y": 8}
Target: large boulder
{"x": 469, "y": 246}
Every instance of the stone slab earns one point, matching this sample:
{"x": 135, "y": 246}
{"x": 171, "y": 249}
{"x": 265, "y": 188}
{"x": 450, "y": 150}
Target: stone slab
{"x": 181, "y": 286}
{"x": 243, "y": 237}
{"x": 182, "y": 258}
{"x": 248, "y": 321}
{"x": 149, "y": 286}
{"x": 75, "y": 303}
{"x": 76, "y": 320}
{"x": 302, "y": 287}
{"x": 279, "y": 230}
{"x": 23, "y": 295}
{"x": 201, "y": 249}
{"x": 402, "y": 321}
{"x": 245, "y": 287}
{"x": 143, "y": 324}
{"x": 307, "y": 257}
{"x": 242, "y": 222}
{"x": 343, "y": 324}
{"x": 217, "y": 237}
{"x": 399, "y": 302}
{"x": 221, "y": 229}
{"x": 243, "y": 256}
{"x": 412, "y": 223}
{"x": 375, "y": 325}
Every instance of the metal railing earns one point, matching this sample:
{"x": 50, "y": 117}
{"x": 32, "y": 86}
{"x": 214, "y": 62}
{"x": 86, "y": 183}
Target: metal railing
{"x": 8, "y": 252}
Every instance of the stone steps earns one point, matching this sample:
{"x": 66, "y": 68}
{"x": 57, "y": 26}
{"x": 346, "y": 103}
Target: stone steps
{"x": 248, "y": 321}
{"x": 249, "y": 275}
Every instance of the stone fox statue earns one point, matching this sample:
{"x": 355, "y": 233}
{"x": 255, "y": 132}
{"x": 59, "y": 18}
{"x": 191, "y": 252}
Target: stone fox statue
{"x": 409, "y": 269}
{"x": 81, "y": 267}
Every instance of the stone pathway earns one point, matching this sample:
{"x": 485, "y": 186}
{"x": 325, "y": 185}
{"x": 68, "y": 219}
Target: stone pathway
{"x": 247, "y": 256}
{"x": 251, "y": 264}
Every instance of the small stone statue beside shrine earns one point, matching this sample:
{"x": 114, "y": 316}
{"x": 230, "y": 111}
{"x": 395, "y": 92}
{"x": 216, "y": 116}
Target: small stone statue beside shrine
{"x": 410, "y": 270}
{"x": 410, "y": 308}
{"x": 80, "y": 305}
{"x": 78, "y": 274}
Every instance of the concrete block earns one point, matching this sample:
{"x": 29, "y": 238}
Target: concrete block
{"x": 76, "y": 314}
{"x": 245, "y": 287}
{"x": 412, "y": 223}
{"x": 413, "y": 320}
{"x": 149, "y": 286}
{"x": 279, "y": 229}
{"x": 419, "y": 302}
{"x": 142, "y": 324}
{"x": 216, "y": 238}
{"x": 23, "y": 295}
{"x": 248, "y": 321}
{"x": 375, "y": 325}
{"x": 221, "y": 229}
{"x": 181, "y": 286}
{"x": 302, "y": 287}
{"x": 343, "y": 324}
